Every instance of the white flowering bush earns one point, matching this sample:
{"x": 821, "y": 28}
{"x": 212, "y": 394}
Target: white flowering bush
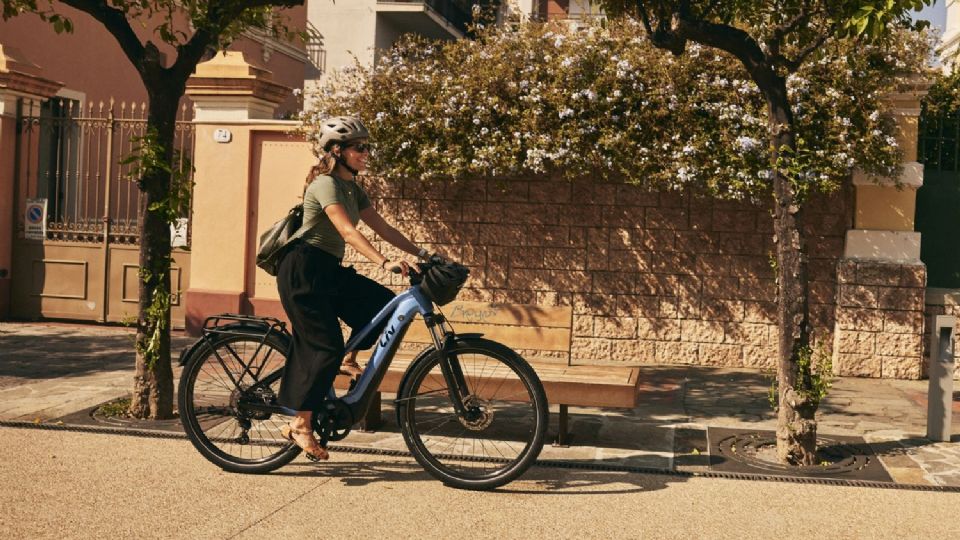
{"x": 541, "y": 99}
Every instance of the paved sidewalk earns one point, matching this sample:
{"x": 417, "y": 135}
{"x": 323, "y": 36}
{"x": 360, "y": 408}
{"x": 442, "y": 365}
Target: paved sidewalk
{"x": 49, "y": 371}
{"x": 80, "y": 485}
{"x": 161, "y": 488}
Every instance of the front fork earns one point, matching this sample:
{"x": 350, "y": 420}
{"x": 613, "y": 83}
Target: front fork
{"x": 443, "y": 338}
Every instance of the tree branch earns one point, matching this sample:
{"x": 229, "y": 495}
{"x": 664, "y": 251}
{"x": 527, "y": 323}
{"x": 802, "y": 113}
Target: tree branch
{"x": 782, "y": 30}
{"x": 724, "y": 37}
{"x": 220, "y": 14}
{"x": 775, "y": 42}
{"x": 662, "y": 36}
{"x": 794, "y": 64}
{"x": 115, "y": 21}
{"x": 645, "y": 18}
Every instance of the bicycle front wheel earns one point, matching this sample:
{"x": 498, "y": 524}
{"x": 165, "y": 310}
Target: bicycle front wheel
{"x": 217, "y": 381}
{"x": 501, "y": 431}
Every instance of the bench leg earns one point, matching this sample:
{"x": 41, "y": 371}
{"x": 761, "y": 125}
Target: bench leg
{"x": 563, "y": 436}
{"x": 371, "y": 419}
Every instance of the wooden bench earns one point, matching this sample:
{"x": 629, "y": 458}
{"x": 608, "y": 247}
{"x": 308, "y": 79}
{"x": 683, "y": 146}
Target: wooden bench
{"x": 525, "y": 328}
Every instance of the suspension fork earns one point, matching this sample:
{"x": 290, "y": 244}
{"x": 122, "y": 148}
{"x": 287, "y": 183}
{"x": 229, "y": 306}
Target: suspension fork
{"x": 443, "y": 338}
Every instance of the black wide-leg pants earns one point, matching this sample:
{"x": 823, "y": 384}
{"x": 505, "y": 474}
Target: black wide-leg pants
{"x": 316, "y": 291}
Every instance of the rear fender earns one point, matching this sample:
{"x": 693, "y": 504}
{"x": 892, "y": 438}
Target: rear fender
{"x": 187, "y": 352}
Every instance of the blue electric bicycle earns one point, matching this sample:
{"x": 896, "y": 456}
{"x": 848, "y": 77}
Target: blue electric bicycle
{"x": 472, "y": 411}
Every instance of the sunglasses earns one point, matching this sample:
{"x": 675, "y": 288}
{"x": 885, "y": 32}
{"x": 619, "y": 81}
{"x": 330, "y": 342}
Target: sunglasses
{"x": 362, "y": 147}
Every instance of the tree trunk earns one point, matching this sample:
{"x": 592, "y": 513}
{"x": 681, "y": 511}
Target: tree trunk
{"x": 796, "y": 421}
{"x": 153, "y": 380}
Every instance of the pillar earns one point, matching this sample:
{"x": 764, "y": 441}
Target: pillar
{"x": 19, "y": 79}
{"x": 881, "y": 280}
{"x": 234, "y": 100}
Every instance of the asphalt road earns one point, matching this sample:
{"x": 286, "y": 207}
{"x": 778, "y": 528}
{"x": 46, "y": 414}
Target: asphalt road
{"x": 58, "y": 484}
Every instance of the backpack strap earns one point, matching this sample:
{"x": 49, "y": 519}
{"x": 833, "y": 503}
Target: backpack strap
{"x": 306, "y": 226}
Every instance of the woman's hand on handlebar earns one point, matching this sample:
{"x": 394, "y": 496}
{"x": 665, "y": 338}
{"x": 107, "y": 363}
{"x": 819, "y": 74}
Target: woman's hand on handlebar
{"x": 439, "y": 258}
{"x": 399, "y": 267}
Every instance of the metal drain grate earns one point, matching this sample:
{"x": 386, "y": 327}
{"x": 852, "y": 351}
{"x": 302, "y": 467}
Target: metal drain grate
{"x": 755, "y": 452}
{"x": 834, "y": 457}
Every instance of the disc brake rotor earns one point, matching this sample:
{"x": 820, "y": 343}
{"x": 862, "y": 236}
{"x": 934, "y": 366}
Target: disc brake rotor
{"x": 479, "y": 416}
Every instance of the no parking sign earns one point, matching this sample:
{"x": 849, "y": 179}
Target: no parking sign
{"x": 35, "y": 219}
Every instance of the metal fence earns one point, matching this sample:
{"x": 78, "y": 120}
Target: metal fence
{"x": 70, "y": 155}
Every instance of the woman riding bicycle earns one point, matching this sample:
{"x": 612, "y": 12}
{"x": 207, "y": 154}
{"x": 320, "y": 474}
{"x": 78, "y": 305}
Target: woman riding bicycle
{"x": 316, "y": 290}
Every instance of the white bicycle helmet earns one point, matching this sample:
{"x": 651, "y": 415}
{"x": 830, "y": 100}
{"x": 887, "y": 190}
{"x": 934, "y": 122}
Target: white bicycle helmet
{"x": 341, "y": 129}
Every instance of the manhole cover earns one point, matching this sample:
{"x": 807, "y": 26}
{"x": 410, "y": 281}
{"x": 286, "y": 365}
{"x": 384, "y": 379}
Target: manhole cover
{"x": 756, "y": 452}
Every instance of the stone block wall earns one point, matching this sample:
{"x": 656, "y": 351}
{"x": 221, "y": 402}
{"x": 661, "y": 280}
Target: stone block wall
{"x": 880, "y": 319}
{"x": 653, "y": 277}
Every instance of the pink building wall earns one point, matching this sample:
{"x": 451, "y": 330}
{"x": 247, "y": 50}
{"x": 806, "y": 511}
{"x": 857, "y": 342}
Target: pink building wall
{"x": 90, "y": 61}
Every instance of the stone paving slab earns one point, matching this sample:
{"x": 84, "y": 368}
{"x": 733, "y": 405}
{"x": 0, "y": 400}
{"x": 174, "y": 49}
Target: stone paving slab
{"x": 47, "y": 399}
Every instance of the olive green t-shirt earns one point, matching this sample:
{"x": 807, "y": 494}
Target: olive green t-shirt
{"x": 321, "y": 193}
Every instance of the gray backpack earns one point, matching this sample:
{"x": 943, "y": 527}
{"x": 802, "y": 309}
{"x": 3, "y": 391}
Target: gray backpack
{"x": 275, "y": 240}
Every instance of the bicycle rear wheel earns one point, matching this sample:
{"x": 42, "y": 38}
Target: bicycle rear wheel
{"x": 215, "y": 384}
{"x": 499, "y": 436}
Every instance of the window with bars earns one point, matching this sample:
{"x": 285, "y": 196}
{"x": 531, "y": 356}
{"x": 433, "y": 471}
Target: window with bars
{"x": 938, "y": 142}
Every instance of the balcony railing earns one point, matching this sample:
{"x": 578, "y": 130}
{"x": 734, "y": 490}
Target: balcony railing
{"x": 458, "y": 13}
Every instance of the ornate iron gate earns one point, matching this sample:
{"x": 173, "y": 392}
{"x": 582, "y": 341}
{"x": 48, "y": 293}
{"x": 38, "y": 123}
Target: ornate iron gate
{"x": 69, "y": 161}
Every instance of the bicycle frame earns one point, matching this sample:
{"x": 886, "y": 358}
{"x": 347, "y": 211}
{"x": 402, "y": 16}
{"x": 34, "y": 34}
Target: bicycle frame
{"x": 401, "y": 311}
{"x": 398, "y": 314}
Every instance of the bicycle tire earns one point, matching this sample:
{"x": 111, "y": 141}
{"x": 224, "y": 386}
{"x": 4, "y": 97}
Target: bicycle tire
{"x": 208, "y": 412}
{"x": 433, "y": 431}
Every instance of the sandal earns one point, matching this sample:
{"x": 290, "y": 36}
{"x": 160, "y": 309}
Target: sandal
{"x": 313, "y": 451}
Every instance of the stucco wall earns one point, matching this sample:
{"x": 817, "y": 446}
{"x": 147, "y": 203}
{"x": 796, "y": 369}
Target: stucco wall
{"x": 348, "y": 30}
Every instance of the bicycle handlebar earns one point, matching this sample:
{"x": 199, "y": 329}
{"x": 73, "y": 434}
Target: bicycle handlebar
{"x": 417, "y": 275}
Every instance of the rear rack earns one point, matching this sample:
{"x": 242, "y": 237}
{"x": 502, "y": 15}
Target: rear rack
{"x": 242, "y": 325}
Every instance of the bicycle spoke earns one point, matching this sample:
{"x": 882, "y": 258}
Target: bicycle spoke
{"x": 500, "y": 426}
{"x": 232, "y": 433}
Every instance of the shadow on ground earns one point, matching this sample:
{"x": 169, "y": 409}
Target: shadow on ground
{"x": 537, "y": 480}
{"x": 681, "y": 394}
{"x": 49, "y": 352}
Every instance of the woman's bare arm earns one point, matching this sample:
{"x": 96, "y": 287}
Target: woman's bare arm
{"x": 338, "y": 216}
{"x": 386, "y": 231}
{"x": 341, "y": 220}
